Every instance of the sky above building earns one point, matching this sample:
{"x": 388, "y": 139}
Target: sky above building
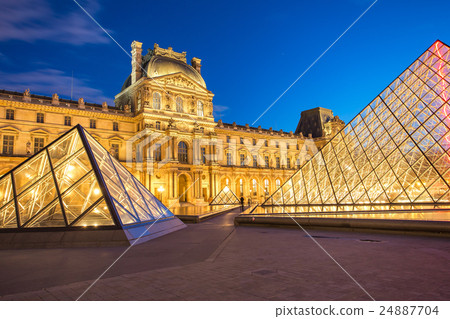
{"x": 251, "y": 51}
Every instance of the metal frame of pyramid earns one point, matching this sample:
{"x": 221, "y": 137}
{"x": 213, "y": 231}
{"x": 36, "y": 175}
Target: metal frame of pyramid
{"x": 394, "y": 155}
{"x": 225, "y": 197}
{"x": 74, "y": 184}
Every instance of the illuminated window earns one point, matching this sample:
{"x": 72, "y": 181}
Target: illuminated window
{"x": 288, "y": 163}
{"x": 199, "y": 108}
{"x": 278, "y": 183}
{"x": 115, "y": 126}
{"x": 229, "y": 160}
{"x": 156, "y": 101}
{"x": 40, "y": 117}
{"x": 266, "y": 161}
{"x": 8, "y": 144}
{"x": 67, "y": 121}
{"x": 10, "y": 114}
{"x": 157, "y": 153}
{"x": 179, "y": 103}
{"x": 38, "y": 144}
{"x": 298, "y": 162}
{"x": 203, "y": 155}
{"x": 266, "y": 186}
{"x": 255, "y": 161}
{"x": 115, "y": 150}
{"x": 241, "y": 187}
{"x": 242, "y": 158}
{"x": 254, "y": 187}
{"x": 92, "y": 123}
{"x": 182, "y": 153}
{"x": 277, "y": 162}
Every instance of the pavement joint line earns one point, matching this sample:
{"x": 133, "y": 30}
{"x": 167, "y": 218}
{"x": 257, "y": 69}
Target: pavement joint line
{"x": 221, "y": 247}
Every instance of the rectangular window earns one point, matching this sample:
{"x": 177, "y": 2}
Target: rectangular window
{"x": 254, "y": 141}
{"x": 40, "y": 117}
{"x": 298, "y": 163}
{"x": 158, "y": 125}
{"x": 115, "y": 126}
{"x": 115, "y": 150}
{"x": 266, "y": 143}
{"x": 277, "y": 159}
{"x": 242, "y": 140}
{"x": 67, "y": 121}
{"x": 228, "y": 139}
{"x": 92, "y": 123}
{"x": 38, "y": 144}
{"x": 288, "y": 163}
{"x": 242, "y": 158}
{"x": 287, "y": 146}
{"x": 277, "y": 144}
{"x": 157, "y": 153}
{"x": 266, "y": 161}
{"x": 255, "y": 161}
{"x": 10, "y": 114}
{"x": 8, "y": 144}
{"x": 203, "y": 155}
{"x": 229, "y": 161}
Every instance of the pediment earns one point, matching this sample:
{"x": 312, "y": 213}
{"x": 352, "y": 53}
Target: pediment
{"x": 181, "y": 80}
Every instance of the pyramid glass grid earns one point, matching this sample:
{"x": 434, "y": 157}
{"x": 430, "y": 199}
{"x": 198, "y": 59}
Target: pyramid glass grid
{"x": 394, "y": 155}
{"x": 225, "y": 197}
{"x": 75, "y": 183}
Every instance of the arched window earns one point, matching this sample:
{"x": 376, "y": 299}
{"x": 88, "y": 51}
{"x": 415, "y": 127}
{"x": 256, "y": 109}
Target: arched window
{"x": 278, "y": 183}
{"x": 182, "y": 152}
{"x": 266, "y": 186}
{"x": 254, "y": 186}
{"x": 179, "y": 103}
{"x": 156, "y": 101}
{"x": 241, "y": 187}
{"x": 227, "y": 182}
{"x": 199, "y": 108}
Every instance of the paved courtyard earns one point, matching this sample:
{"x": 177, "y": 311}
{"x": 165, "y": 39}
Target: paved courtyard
{"x": 215, "y": 260}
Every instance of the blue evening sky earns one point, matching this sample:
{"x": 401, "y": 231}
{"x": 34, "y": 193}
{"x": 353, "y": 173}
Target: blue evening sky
{"x": 251, "y": 51}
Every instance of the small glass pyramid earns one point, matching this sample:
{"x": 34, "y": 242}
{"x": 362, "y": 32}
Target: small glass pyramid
{"x": 225, "y": 197}
{"x": 74, "y": 183}
{"x": 393, "y": 155}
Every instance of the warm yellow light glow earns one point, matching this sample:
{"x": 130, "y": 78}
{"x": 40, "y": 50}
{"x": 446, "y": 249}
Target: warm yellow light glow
{"x": 161, "y": 189}
{"x": 96, "y": 191}
{"x": 226, "y": 189}
{"x": 70, "y": 168}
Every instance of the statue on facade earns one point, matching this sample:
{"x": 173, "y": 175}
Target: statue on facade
{"x": 112, "y": 151}
{"x": 127, "y": 108}
{"x": 28, "y": 148}
{"x": 81, "y": 103}
{"x": 27, "y": 95}
{"x": 55, "y": 99}
{"x": 171, "y": 121}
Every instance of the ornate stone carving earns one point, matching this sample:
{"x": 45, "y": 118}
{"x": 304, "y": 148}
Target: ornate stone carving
{"x": 169, "y": 52}
{"x": 55, "y": 99}
{"x": 27, "y": 95}
{"x": 179, "y": 81}
{"x": 81, "y": 103}
{"x": 105, "y": 107}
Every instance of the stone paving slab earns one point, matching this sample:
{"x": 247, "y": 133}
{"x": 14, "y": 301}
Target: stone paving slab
{"x": 284, "y": 264}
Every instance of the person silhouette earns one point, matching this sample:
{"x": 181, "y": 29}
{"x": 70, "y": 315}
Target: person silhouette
{"x": 242, "y": 203}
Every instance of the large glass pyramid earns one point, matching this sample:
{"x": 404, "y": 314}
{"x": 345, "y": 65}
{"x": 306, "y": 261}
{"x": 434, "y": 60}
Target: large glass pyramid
{"x": 393, "y": 155}
{"x": 74, "y": 183}
{"x": 225, "y": 197}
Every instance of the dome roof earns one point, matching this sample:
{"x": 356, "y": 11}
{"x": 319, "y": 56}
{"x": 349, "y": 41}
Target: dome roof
{"x": 160, "y": 65}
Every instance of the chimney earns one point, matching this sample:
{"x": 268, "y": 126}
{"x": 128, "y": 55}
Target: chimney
{"x": 196, "y": 64}
{"x": 136, "y": 61}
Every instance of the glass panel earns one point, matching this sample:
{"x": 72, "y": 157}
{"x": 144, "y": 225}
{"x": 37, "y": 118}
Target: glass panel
{"x": 30, "y": 171}
{"x": 52, "y": 216}
{"x": 70, "y": 171}
{"x": 81, "y": 197}
{"x": 64, "y": 148}
{"x": 97, "y": 216}
{"x": 8, "y": 216}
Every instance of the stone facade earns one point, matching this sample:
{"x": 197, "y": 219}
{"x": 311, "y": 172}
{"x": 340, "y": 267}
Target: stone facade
{"x": 162, "y": 128}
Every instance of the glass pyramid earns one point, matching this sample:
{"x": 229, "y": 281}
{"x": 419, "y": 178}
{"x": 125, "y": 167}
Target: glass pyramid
{"x": 225, "y": 197}
{"x": 393, "y": 155}
{"x": 75, "y": 183}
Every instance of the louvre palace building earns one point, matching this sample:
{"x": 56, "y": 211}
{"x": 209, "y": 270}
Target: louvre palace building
{"x": 163, "y": 130}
